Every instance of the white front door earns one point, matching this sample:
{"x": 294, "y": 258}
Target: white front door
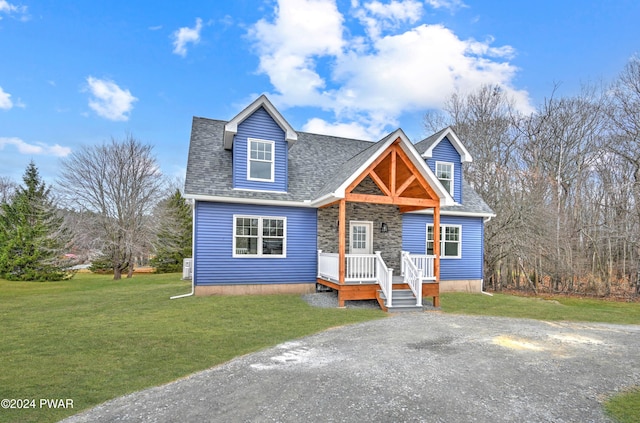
{"x": 360, "y": 237}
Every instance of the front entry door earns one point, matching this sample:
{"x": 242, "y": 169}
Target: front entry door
{"x": 360, "y": 237}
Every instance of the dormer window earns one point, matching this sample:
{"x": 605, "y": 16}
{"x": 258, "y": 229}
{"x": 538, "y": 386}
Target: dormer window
{"x": 260, "y": 160}
{"x": 444, "y": 172}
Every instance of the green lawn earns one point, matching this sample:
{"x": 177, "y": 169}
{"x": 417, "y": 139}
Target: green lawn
{"x": 92, "y": 339}
{"x": 556, "y": 308}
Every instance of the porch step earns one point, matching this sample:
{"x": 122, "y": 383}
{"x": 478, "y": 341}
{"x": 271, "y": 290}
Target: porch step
{"x": 403, "y": 301}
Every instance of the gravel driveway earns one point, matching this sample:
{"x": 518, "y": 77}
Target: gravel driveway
{"x": 416, "y": 367}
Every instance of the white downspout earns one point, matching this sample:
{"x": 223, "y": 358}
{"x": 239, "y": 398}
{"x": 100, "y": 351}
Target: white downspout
{"x": 482, "y": 291}
{"x": 193, "y": 260}
{"x": 186, "y": 295}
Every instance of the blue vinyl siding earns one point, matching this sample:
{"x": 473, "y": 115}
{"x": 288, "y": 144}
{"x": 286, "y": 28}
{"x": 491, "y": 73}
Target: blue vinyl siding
{"x": 214, "y": 263}
{"x": 260, "y": 125}
{"x": 470, "y": 265}
{"x": 445, "y": 152}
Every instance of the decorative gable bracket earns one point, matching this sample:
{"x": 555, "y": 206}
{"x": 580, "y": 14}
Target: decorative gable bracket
{"x": 402, "y": 176}
{"x": 231, "y": 128}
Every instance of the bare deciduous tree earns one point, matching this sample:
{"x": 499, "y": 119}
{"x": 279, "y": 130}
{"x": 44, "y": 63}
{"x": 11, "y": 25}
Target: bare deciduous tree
{"x": 117, "y": 185}
{"x": 564, "y": 182}
{"x": 7, "y": 188}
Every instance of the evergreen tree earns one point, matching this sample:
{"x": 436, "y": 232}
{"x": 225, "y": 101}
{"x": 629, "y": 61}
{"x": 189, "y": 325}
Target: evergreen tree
{"x": 174, "y": 234}
{"x": 31, "y": 233}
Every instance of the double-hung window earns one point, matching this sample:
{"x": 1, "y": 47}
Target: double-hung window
{"x": 260, "y": 161}
{"x": 444, "y": 172}
{"x": 450, "y": 241}
{"x": 258, "y": 236}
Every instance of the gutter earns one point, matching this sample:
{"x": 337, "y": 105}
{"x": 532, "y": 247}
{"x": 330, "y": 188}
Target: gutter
{"x": 247, "y": 200}
{"x": 193, "y": 262}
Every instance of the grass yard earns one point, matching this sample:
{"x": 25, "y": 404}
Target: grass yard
{"x": 555, "y": 308}
{"x": 92, "y": 339}
{"x": 625, "y": 408}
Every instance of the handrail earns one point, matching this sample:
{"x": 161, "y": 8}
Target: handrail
{"x": 412, "y": 277}
{"x": 384, "y": 279}
{"x": 423, "y": 262}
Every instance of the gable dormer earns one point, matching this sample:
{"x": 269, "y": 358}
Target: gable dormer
{"x": 260, "y": 139}
{"x": 445, "y": 153}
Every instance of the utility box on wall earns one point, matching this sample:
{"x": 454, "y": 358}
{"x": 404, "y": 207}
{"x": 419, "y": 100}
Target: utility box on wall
{"x": 187, "y": 268}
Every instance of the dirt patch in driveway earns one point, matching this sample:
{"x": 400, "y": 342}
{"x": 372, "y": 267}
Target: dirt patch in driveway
{"x": 429, "y": 367}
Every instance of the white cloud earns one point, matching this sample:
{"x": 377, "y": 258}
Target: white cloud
{"x": 58, "y": 150}
{"x": 446, "y": 4}
{"x": 38, "y": 148}
{"x": 377, "y": 16}
{"x": 347, "y": 130}
{"x": 302, "y": 30}
{"x": 109, "y": 100}
{"x": 12, "y": 9}
{"x": 400, "y": 65}
{"x": 416, "y": 69}
{"x": 186, "y": 35}
{"x": 5, "y": 99}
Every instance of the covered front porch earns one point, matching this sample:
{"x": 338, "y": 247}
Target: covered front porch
{"x": 360, "y": 233}
{"x": 368, "y": 277}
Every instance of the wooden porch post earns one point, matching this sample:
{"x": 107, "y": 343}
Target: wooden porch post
{"x": 436, "y": 250}
{"x": 342, "y": 234}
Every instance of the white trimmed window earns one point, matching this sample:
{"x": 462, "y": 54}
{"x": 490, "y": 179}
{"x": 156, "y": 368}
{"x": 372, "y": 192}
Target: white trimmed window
{"x": 260, "y": 161}
{"x": 450, "y": 241}
{"x": 444, "y": 172}
{"x": 259, "y": 236}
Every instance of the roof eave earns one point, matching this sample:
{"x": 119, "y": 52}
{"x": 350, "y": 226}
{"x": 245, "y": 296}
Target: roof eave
{"x": 231, "y": 128}
{"x": 242, "y": 200}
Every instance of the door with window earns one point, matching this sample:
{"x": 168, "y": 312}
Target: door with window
{"x": 360, "y": 237}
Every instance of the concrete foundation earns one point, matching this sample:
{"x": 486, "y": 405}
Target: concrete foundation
{"x": 294, "y": 288}
{"x": 474, "y": 285}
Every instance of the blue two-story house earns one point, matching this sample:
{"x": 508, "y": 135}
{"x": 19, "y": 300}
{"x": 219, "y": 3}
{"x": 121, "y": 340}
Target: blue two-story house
{"x": 281, "y": 211}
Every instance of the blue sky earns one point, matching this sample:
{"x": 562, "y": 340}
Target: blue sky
{"x": 79, "y": 73}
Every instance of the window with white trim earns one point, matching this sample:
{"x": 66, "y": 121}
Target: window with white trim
{"x": 259, "y": 236}
{"x": 260, "y": 163}
{"x": 444, "y": 172}
{"x": 450, "y": 241}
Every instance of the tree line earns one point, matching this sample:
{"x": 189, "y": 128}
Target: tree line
{"x": 111, "y": 205}
{"x": 564, "y": 182}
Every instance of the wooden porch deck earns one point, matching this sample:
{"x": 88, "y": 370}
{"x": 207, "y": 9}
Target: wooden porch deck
{"x": 355, "y": 291}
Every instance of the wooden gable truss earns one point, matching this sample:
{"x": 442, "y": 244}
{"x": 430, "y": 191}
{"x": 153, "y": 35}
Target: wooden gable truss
{"x": 401, "y": 184}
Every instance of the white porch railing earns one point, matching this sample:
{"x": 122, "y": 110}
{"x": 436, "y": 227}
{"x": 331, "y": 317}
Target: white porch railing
{"x": 328, "y": 266}
{"x": 385, "y": 279}
{"x": 371, "y": 268}
{"x": 412, "y": 277}
{"x": 422, "y": 262}
{"x": 361, "y": 268}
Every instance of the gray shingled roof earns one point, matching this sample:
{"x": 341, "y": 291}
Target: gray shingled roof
{"x": 318, "y": 164}
{"x": 424, "y": 145}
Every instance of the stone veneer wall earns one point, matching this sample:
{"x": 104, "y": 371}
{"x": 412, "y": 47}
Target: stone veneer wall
{"x": 389, "y": 244}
